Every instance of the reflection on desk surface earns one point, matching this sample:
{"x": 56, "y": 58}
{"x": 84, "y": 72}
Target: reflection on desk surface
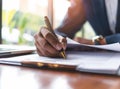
{"x": 12, "y": 77}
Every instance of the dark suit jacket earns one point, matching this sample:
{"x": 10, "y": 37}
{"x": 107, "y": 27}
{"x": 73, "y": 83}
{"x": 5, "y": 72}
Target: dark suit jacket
{"x": 93, "y": 11}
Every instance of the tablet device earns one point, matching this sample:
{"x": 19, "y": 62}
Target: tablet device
{"x": 14, "y": 50}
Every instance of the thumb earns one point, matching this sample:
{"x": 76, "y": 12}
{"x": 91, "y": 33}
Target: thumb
{"x": 63, "y": 41}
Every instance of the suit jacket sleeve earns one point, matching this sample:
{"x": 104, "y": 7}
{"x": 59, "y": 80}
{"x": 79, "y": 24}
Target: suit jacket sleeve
{"x": 113, "y": 38}
{"x": 74, "y": 19}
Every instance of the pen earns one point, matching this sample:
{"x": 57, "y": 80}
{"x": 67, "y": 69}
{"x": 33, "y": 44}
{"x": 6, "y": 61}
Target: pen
{"x": 47, "y": 22}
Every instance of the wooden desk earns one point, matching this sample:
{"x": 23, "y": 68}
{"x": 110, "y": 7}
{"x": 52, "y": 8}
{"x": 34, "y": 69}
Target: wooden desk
{"x": 14, "y": 77}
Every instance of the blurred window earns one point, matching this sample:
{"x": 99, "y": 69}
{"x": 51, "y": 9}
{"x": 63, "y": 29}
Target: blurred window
{"x": 21, "y": 19}
{"x": 60, "y": 9}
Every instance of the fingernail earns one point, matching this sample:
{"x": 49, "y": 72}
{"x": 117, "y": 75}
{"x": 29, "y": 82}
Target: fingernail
{"x": 64, "y": 46}
{"x": 59, "y": 46}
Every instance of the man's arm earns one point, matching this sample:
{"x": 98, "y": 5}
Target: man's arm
{"x": 74, "y": 19}
{"x": 47, "y": 44}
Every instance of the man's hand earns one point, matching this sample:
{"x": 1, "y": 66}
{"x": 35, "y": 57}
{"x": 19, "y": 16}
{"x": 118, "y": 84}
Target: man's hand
{"x": 47, "y": 44}
{"x": 83, "y": 40}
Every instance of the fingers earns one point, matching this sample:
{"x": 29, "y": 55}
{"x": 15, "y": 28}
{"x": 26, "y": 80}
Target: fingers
{"x": 51, "y": 38}
{"x": 46, "y": 44}
{"x": 43, "y": 52}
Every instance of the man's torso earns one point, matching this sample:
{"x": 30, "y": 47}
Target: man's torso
{"x": 98, "y": 14}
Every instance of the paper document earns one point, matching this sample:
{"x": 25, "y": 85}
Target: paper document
{"x": 75, "y": 45}
{"x": 82, "y": 61}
